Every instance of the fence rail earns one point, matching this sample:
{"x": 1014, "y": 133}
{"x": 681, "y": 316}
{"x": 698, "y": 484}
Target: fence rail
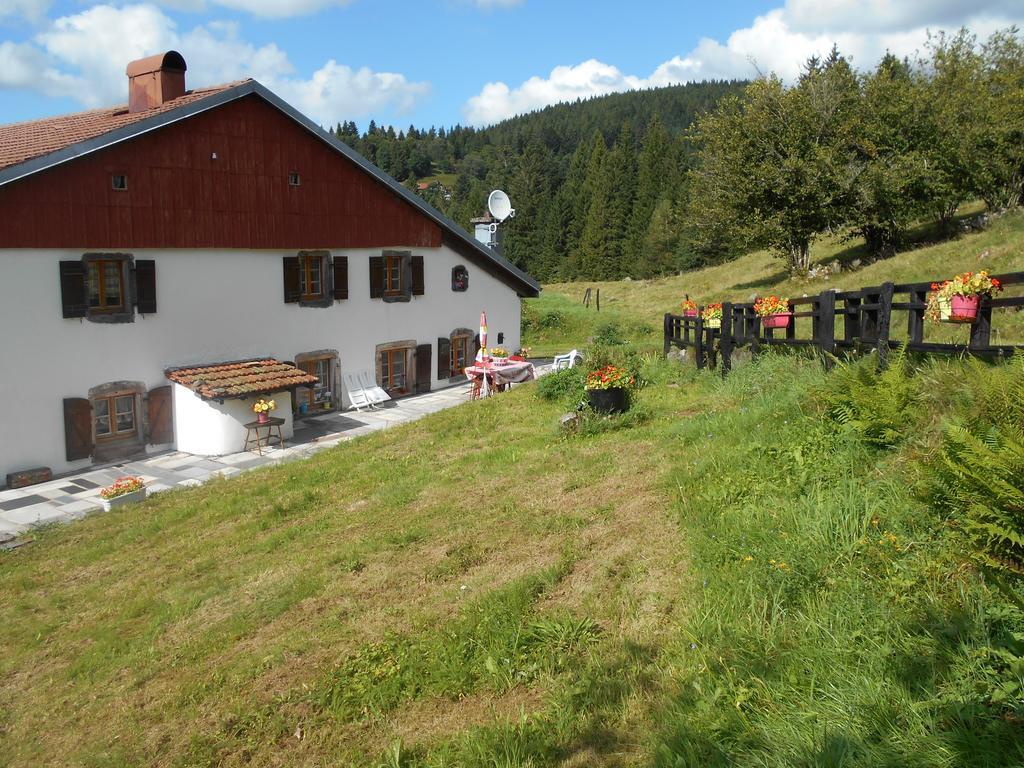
{"x": 858, "y": 320}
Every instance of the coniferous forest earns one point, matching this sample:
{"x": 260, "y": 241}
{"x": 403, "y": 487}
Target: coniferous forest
{"x": 653, "y": 182}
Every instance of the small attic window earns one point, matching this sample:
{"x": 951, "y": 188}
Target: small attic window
{"x": 119, "y": 181}
{"x": 294, "y": 179}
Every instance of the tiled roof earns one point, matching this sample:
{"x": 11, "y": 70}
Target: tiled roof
{"x": 24, "y": 141}
{"x": 232, "y": 380}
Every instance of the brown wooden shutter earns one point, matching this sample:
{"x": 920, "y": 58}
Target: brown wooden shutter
{"x": 77, "y": 428}
{"x": 424, "y": 368}
{"x": 444, "y": 357}
{"x": 145, "y": 286}
{"x": 292, "y": 286}
{"x": 72, "y": 289}
{"x": 160, "y": 416}
{"x": 417, "y": 275}
{"x": 340, "y": 278}
{"x": 376, "y": 277}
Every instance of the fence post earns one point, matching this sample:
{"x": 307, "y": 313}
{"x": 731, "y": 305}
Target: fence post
{"x": 668, "y": 333}
{"x": 725, "y": 340}
{"x": 825, "y": 327}
{"x": 981, "y": 331}
{"x": 698, "y": 342}
{"x": 915, "y": 317}
{"x": 851, "y": 318}
{"x": 884, "y": 320}
{"x": 598, "y": 299}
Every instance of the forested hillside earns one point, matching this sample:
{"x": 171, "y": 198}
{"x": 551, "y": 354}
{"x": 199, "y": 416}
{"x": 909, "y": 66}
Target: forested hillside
{"x": 597, "y": 184}
{"x": 650, "y": 183}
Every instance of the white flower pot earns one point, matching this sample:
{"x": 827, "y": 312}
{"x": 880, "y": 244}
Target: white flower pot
{"x": 128, "y": 498}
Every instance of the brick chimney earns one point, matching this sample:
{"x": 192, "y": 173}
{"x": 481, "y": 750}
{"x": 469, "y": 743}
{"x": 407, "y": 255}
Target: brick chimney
{"x": 155, "y": 80}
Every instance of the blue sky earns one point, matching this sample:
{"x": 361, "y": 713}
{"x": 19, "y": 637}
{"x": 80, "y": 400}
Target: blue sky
{"x": 445, "y": 61}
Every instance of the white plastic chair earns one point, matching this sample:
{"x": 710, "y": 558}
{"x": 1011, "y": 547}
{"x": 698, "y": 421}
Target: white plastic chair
{"x": 356, "y": 395}
{"x": 568, "y": 360}
{"x": 374, "y": 393}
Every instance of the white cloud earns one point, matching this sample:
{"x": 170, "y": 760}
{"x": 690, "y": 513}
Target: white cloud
{"x": 30, "y": 10}
{"x": 72, "y": 58}
{"x": 496, "y": 3}
{"x": 779, "y": 41}
{"x": 279, "y": 9}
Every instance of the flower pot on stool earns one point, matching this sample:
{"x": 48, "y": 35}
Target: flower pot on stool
{"x": 964, "y": 309}
{"x": 614, "y": 400}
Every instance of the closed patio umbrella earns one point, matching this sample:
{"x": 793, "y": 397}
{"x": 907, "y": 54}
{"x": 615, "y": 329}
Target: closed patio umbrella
{"x": 482, "y": 352}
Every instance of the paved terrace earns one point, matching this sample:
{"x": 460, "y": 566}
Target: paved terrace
{"x": 77, "y": 495}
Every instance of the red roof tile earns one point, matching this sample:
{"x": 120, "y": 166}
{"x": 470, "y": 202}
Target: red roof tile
{"x": 24, "y": 141}
{"x": 233, "y": 380}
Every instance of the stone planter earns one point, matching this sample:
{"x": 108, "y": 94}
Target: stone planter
{"x": 128, "y": 498}
{"x": 609, "y": 400}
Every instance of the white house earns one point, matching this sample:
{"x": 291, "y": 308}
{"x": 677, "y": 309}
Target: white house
{"x": 208, "y": 227}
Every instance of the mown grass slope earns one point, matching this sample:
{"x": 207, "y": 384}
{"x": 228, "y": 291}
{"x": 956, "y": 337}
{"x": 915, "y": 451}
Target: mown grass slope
{"x": 727, "y": 576}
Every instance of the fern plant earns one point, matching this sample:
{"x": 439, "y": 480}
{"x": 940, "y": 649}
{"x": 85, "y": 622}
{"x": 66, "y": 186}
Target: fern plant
{"x": 978, "y": 477}
{"x": 877, "y": 406}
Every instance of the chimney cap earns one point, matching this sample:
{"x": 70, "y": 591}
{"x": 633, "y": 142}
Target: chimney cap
{"x": 171, "y": 60}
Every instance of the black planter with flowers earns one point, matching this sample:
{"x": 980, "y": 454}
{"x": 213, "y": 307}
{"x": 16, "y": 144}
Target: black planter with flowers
{"x": 608, "y": 389}
{"x": 609, "y": 400}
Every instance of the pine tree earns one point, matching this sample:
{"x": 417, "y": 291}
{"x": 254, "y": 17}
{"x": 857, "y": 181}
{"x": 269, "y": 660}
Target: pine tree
{"x": 652, "y": 173}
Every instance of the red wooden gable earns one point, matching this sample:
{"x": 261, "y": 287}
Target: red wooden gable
{"x": 218, "y": 179}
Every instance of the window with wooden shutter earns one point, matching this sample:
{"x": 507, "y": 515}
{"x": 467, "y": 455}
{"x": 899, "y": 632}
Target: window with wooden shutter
{"x": 145, "y": 286}
{"x": 77, "y": 428}
{"x": 292, "y": 280}
{"x": 444, "y": 354}
{"x": 160, "y": 416}
{"x": 376, "y": 277}
{"x": 417, "y": 276}
{"x": 72, "y": 289}
{"x": 340, "y": 278}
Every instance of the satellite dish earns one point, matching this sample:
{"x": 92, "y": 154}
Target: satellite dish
{"x": 500, "y": 206}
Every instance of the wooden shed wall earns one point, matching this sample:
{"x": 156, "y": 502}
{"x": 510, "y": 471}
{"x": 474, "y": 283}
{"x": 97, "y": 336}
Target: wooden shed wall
{"x": 178, "y": 196}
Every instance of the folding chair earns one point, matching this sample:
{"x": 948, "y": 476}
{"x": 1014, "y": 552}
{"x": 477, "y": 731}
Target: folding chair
{"x": 374, "y": 393}
{"x": 356, "y": 394}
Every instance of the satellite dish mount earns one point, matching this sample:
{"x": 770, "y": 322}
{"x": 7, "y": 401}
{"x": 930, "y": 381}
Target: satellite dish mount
{"x": 500, "y": 209}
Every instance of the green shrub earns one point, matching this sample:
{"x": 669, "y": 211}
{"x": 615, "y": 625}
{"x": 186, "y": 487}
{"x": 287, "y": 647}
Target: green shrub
{"x": 609, "y": 334}
{"x": 564, "y": 386}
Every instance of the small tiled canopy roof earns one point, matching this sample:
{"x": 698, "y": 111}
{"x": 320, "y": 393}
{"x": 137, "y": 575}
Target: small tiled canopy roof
{"x": 233, "y": 380}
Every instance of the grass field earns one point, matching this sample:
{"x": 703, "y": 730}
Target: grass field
{"x": 725, "y": 576}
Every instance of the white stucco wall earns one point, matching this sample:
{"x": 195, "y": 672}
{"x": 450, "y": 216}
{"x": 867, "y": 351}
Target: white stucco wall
{"x": 209, "y": 428}
{"x": 213, "y": 306}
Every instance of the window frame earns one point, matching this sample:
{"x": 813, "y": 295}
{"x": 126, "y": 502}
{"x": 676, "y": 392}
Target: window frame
{"x": 393, "y": 266}
{"x": 310, "y": 365}
{"x": 387, "y": 372}
{"x": 306, "y": 262}
{"x": 458, "y": 341}
{"x": 98, "y": 265}
{"x": 114, "y": 432}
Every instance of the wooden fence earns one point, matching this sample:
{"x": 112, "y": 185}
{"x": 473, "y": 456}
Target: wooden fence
{"x": 839, "y": 320}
